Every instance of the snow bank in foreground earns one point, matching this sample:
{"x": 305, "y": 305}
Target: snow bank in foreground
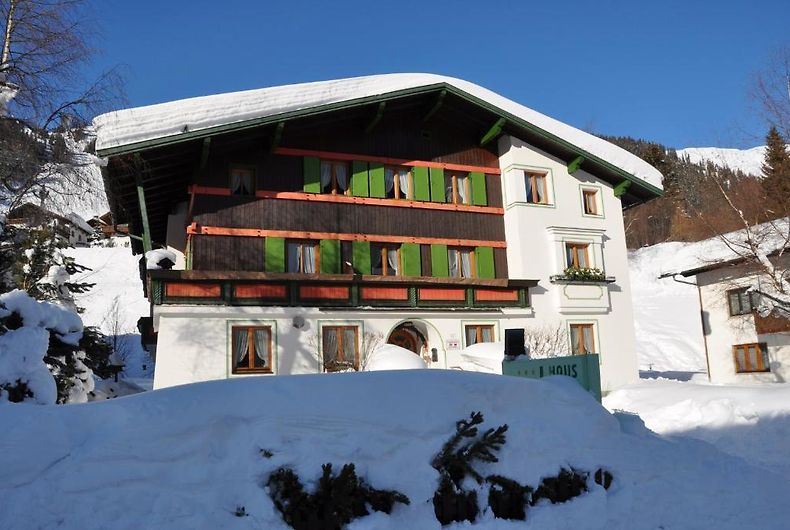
{"x": 666, "y": 313}
{"x": 186, "y": 457}
{"x": 749, "y": 421}
{"x": 391, "y": 357}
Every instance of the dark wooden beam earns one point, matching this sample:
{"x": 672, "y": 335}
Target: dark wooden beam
{"x": 377, "y": 118}
{"x": 278, "y": 136}
{"x": 437, "y": 104}
{"x": 204, "y": 153}
{"x": 493, "y": 132}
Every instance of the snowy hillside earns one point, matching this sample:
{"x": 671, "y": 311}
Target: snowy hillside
{"x": 666, "y": 313}
{"x": 749, "y": 161}
{"x": 189, "y": 457}
{"x": 116, "y": 302}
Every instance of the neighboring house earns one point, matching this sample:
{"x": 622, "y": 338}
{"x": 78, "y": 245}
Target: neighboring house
{"x": 70, "y": 227}
{"x": 741, "y": 345}
{"x": 314, "y": 221}
{"x": 105, "y": 227}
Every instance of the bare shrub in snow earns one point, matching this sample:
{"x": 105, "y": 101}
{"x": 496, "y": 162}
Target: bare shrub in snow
{"x": 547, "y": 340}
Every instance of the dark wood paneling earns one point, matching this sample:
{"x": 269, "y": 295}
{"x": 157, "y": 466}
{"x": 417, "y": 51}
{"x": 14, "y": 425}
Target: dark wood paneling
{"x": 220, "y": 253}
{"x": 425, "y": 258}
{"x": 494, "y": 190}
{"x": 281, "y": 214}
{"x": 500, "y": 262}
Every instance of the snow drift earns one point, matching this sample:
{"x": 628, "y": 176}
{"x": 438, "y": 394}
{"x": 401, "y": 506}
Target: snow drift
{"x": 188, "y": 457}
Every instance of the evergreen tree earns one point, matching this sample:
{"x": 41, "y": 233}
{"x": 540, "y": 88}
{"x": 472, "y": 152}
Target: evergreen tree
{"x": 776, "y": 172}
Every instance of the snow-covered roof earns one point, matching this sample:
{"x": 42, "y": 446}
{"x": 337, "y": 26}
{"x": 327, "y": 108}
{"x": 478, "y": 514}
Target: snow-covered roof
{"x": 142, "y": 124}
{"x": 769, "y": 237}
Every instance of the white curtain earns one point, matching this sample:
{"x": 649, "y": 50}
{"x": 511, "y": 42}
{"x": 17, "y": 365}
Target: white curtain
{"x": 452, "y": 261}
{"x": 326, "y": 176}
{"x": 308, "y": 251}
{"x": 539, "y": 185}
{"x": 261, "y": 347}
{"x": 342, "y": 177}
{"x": 575, "y": 341}
{"x": 486, "y": 335}
{"x": 589, "y": 345}
{"x": 392, "y": 262}
{"x": 462, "y": 194}
{"x": 235, "y": 183}
{"x": 530, "y": 191}
{"x": 581, "y": 252}
{"x": 466, "y": 264}
{"x": 330, "y": 345}
{"x": 471, "y": 335}
{"x": 294, "y": 253}
{"x": 389, "y": 179}
{"x": 240, "y": 343}
{"x": 403, "y": 178}
{"x": 349, "y": 346}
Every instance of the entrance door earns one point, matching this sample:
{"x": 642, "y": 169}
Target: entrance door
{"x": 404, "y": 338}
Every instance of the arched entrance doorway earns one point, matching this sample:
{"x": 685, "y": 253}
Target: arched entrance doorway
{"x": 408, "y": 336}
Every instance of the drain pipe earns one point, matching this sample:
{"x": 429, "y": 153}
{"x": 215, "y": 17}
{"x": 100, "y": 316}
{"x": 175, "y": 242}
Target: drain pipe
{"x": 701, "y": 318}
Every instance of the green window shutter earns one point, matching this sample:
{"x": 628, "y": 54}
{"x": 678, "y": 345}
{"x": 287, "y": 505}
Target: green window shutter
{"x": 330, "y": 256}
{"x": 478, "y": 188}
{"x": 485, "y": 262}
{"x": 439, "y": 264}
{"x": 377, "y": 188}
{"x": 312, "y": 174}
{"x": 437, "y": 185}
{"x": 422, "y": 189}
{"x": 360, "y": 251}
{"x": 274, "y": 254}
{"x": 359, "y": 179}
{"x": 410, "y": 259}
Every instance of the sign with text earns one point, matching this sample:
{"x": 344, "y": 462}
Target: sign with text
{"x": 583, "y": 368}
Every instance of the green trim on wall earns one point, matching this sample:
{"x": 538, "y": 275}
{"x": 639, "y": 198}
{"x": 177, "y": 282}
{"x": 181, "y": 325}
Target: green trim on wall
{"x": 422, "y": 187}
{"x": 411, "y": 260}
{"x": 330, "y": 256}
{"x": 620, "y": 189}
{"x": 574, "y": 164}
{"x": 437, "y": 185}
{"x": 479, "y": 197}
{"x": 274, "y": 254}
{"x": 360, "y": 256}
{"x": 484, "y": 256}
{"x": 359, "y": 179}
{"x": 440, "y": 264}
{"x": 377, "y": 186}
{"x": 312, "y": 174}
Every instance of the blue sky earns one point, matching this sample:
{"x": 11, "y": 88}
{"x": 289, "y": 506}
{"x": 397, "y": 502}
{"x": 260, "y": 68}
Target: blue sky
{"x": 677, "y": 72}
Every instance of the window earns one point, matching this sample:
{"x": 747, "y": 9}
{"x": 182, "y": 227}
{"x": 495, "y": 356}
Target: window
{"x": 242, "y": 180}
{"x": 302, "y": 256}
{"x": 751, "y": 358}
{"x": 461, "y": 262}
{"x": 476, "y": 333}
{"x": 590, "y": 202}
{"x": 582, "y": 341}
{"x": 385, "y": 260}
{"x": 340, "y": 348}
{"x": 334, "y": 177}
{"x": 577, "y": 255}
{"x": 252, "y": 349}
{"x": 399, "y": 183}
{"x": 537, "y": 192}
{"x": 458, "y": 188}
{"x": 740, "y": 302}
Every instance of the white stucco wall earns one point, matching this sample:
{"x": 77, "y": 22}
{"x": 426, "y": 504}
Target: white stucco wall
{"x": 536, "y": 235}
{"x": 194, "y": 340}
{"x": 723, "y": 331}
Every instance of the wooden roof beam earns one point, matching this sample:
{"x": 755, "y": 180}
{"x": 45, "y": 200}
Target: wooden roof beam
{"x": 574, "y": 164}
{"x": 493, "y": 132}
{"x": 277, "y": 137}
{"x": 377, "y": 118}
{"x": 437, "y": 104}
